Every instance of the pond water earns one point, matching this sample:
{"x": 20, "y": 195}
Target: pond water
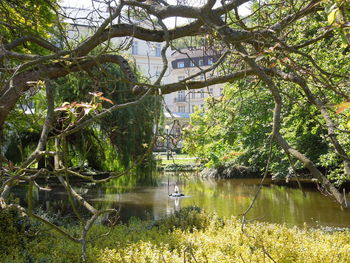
{"x": 276, "y": 204}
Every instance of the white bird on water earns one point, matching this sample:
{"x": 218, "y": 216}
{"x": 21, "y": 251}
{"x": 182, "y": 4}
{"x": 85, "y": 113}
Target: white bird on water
{"x": 176, "y": 192}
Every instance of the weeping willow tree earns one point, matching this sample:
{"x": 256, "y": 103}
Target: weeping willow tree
{"x": 116, "y": 142}
{"x": 121, "y": 139}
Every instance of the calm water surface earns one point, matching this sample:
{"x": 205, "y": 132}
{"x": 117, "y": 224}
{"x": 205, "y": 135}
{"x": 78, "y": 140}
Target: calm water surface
{"x": 276, "y": 204}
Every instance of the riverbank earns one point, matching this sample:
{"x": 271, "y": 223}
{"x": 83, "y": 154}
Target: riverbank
{"x": 229, "y": 171}
{"x": 178, "y": 162}
{"x": 191, "y": 236}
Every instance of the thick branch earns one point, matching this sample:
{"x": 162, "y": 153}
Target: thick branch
{"x": 76, "y": 196}
{"x": 169, "y": 88}
{"x": 21, "y": 82}
{"x": 30, "y": 38}
{"x": 294, "y": 77}
{"x": 46, "y": 128}
{"x": 276, "y": 129}
{"x": 127, "y": 30}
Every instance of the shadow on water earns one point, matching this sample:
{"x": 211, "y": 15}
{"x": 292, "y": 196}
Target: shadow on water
{"x": 276, "y": 204}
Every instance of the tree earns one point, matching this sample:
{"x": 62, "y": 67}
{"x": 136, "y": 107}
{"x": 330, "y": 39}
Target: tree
{"x": 260, "y": 48}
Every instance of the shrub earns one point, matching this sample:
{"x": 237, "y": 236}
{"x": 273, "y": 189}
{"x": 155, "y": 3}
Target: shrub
{"x": 193, "y": 236}
{"x": 188, "y": 218}
{"x": 15, "y": 233}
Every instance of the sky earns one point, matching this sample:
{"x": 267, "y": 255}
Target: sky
{"x": 170, "y": 22}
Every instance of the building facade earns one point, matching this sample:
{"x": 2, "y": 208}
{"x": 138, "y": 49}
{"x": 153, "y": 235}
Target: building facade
{"x": 181, "y": 104}
{"x": 185, "y": 63}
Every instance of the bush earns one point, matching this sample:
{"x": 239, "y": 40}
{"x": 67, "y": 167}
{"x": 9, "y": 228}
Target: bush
{"x": 188, "y": 218}
{"x": 192, "y": 235}
{"x": 15, "y": 233}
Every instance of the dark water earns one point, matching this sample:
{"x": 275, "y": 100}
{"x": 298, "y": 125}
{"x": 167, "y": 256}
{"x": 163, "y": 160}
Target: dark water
{"x": 277, "y": 204}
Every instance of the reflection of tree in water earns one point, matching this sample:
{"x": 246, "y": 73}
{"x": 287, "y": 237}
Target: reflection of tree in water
{"x": 227, "y": 197}
{"x": 275, "y": 203}
{"x": 102, "y": 195}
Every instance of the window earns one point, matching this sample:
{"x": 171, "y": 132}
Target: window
{"x": 202, "y": 93}
{"x": 181, "y": 108}
{"x": 191, "y": 64}
{"x": 181, "y": 64}
{"x": 201, "y": 62}
{"x": 181, "y": 94}
{"x": 134, "y": 50}
{"x": 193, "y": 95}
{"x": 157, "y": 50}
{"x": 28, "y": 107}
{"x": 210, "y": 61}
{"x": 211, "y": 91}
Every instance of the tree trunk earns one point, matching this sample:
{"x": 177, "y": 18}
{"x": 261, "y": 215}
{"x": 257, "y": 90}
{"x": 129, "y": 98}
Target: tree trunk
{"x": 279, "y": 138}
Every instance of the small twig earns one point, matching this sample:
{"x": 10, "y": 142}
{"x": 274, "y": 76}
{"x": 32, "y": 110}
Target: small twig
{"x": 191, "y": 253}
{"x": 41, "y": 188}
{"x": 86, "y": 229}
{"x": 240, "y": 255}
{"x": 163, "y": 258}
{"x": 260, "y": 185}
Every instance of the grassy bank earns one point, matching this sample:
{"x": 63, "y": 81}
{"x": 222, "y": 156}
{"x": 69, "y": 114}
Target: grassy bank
{"x": 181, "y": 159}
{"x": 190, "y": 236}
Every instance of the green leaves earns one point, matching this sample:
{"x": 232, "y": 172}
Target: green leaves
{"x": 338, "y": 17}
{"x": 28, "y": 17}
{"x": 331, "y": 18}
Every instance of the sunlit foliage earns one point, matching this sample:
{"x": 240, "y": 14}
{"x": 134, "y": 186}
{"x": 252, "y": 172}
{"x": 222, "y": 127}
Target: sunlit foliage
{"x": 199, "y": 238}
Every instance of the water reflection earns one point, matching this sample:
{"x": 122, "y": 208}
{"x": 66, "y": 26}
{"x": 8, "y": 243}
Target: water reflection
{"x": 277, "y": 204}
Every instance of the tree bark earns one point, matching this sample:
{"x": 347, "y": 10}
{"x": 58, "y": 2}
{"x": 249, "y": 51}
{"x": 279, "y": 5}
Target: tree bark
{"x": 279, "y": 138}
{"x": 330, "y": 125}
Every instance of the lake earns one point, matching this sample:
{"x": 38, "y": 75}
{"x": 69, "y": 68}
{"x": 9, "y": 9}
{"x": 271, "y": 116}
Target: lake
{"x": 275, "y": 204}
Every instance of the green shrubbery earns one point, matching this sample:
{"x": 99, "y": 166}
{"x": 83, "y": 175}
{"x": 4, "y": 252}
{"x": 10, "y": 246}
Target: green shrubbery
{"x": 16, "y": 232}
{"x": 193, "y": 236}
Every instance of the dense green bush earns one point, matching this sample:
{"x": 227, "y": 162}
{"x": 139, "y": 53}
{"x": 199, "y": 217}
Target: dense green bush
{"x": 191, "y": 235}
{"x": 188, "y": 218}
{"x": 16, "y": 232}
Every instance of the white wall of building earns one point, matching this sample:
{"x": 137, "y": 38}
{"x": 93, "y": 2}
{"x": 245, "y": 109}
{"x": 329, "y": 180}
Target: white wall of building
{"x": 186, "y": 101}
{"x": 146, "y": 55}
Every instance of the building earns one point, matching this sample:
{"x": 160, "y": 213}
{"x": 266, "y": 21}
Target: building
{"x": 185, "y": 63}
{"x": 82, "y": 23}
{"x": 181, "y": 104}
